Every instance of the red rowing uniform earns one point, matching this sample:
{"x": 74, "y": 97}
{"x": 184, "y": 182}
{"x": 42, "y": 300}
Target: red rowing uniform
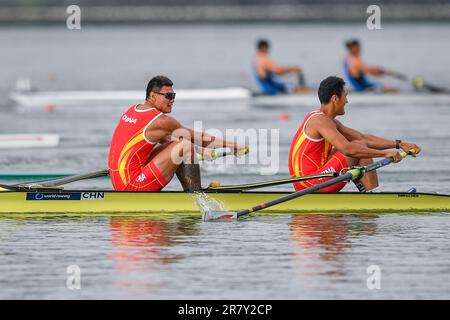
{"x": 130, "y": 150}
{"x": 310, "y": 156}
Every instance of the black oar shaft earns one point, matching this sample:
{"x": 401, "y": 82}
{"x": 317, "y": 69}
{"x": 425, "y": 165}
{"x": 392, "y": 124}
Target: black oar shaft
{"x": 52, "y": 184}
{"x": 66, "y": 180}
{"x": 346, "y": 177}
{"x": 352, "y": 174}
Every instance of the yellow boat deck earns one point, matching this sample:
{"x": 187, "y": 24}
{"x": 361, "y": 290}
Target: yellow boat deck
{"x": 98, "y": 201}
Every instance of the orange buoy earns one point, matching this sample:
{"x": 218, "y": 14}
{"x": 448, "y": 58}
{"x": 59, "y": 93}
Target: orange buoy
{"x": 50, "y": 108}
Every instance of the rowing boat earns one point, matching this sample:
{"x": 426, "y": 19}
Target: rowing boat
{"x": 120, "y": 97}
{"x": 39, "y": 99}
{"x": 356, "y": 99}
{"x": 50, "y": 197}
{"x": 114, "y": 202}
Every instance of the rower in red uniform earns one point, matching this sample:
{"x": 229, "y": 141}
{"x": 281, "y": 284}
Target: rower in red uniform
{"x": 149, "y": 147}
{"x": 323, "y": 144}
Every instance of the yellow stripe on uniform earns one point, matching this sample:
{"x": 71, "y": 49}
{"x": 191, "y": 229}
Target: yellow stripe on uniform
{"x": 125, "y": 154}
{"x": 294, "y": 160}
{"x": 131, "y": 143}
{"x": 325, "y": 153}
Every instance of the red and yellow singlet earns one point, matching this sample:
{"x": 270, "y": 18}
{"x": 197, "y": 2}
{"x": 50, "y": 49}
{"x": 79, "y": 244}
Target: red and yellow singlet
{"x": 130, "y": 150}
{"x": 310, "y": 156}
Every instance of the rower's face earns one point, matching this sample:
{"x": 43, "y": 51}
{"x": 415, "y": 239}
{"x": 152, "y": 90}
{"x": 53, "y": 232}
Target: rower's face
{"x": 161, "y": 102}
{"x": 355, "y": 49}
{"x": 341, "y": 101}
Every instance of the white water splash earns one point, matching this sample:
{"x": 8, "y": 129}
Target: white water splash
{"x": 207, "y": 203}
{"x": 209, "y": 207}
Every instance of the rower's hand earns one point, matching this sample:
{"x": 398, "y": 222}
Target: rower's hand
{"x": 240, "y": 150}
{"x": 397, "y": 75}
{"x": 394, "y": 155}
{"x": 406, "y": 146}
{"x": 207, "y": 154}
{"x": 297, "y": 69}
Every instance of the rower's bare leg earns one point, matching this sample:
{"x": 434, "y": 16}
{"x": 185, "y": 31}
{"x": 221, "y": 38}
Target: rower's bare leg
{"x": 178, "y": 157}
{"x": 370, "y": 179}
{"x": 189, "y": 176}
{"x": 300, "y": 89}
{"x": 388, "y": 89}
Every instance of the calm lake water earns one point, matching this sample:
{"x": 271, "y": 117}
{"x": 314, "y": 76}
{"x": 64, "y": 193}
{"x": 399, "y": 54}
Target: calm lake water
{"x": 263, "y": 257}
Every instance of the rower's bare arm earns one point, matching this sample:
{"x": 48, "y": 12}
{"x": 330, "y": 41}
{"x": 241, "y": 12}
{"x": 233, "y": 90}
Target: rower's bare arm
{"x": 328, "y": 130}
{"x": 279, "y": 70}
{"x": 373, "y": 71}
{"x": 167, "y": 128}
{"x": 372, "y": 141}
{"x": 212, "y": 142}
{"x": 162, "y": 129}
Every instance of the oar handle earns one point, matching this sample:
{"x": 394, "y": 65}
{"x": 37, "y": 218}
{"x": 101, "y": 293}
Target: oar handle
{"x": 410, "y": 152}
{"x": 357, "y": 172}
{"x": 398, "y": 75}
{"x": 403, "y": 154}
{"x": 223, "y": 153}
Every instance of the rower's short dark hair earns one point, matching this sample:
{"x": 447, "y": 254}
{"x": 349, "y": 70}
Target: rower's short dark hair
{"x": 156, "y": 83}
{"x": 330, "y": 86}
{"x": 351, "y": 42}
{"x": 262, "y": 44}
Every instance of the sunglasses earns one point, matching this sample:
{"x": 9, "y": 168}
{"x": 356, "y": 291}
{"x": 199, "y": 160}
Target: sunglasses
{"x": 167, "y": 95}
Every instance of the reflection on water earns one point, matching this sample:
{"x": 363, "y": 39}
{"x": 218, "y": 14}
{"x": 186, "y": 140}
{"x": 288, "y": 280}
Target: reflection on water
{"x": 139, "y": 244}
{"x": 324, "y": 239}
{"x": 264, "y": 256}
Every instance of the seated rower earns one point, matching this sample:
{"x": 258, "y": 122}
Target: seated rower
{"x": 323, "y": 144}
{"x": 356, "y": 71}
{"x": 149, "y": 147}
{"x": 266, "y": 71}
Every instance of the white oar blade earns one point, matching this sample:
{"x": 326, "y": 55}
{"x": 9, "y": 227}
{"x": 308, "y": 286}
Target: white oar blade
{"x": 216, "y": 215}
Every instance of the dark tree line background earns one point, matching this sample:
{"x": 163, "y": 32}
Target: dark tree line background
{"x": 205, "y": 2}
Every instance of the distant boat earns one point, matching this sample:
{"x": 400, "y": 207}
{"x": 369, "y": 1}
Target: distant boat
{"x": 42, "y": 99}
{"x": 26, "y": 97}
{"x": 120, "y": 97}
{"x": 9, "y": 141}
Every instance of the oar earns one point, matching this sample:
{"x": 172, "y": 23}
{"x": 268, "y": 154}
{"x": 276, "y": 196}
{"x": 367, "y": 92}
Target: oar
{"x": 7, "y": 187}
{"x": 74, "y": 178}
{"x": 352, "y": 174}
{"x": 213, "y": 186}
{"x": 222, "y": 152}
{"x": 54, "y": 184}
{"x": 419, "y": 83}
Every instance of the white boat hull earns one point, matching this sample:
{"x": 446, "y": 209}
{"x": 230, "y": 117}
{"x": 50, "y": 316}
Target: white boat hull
{"x": 241, "y": 95}
{"x": 79, "y": 98}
